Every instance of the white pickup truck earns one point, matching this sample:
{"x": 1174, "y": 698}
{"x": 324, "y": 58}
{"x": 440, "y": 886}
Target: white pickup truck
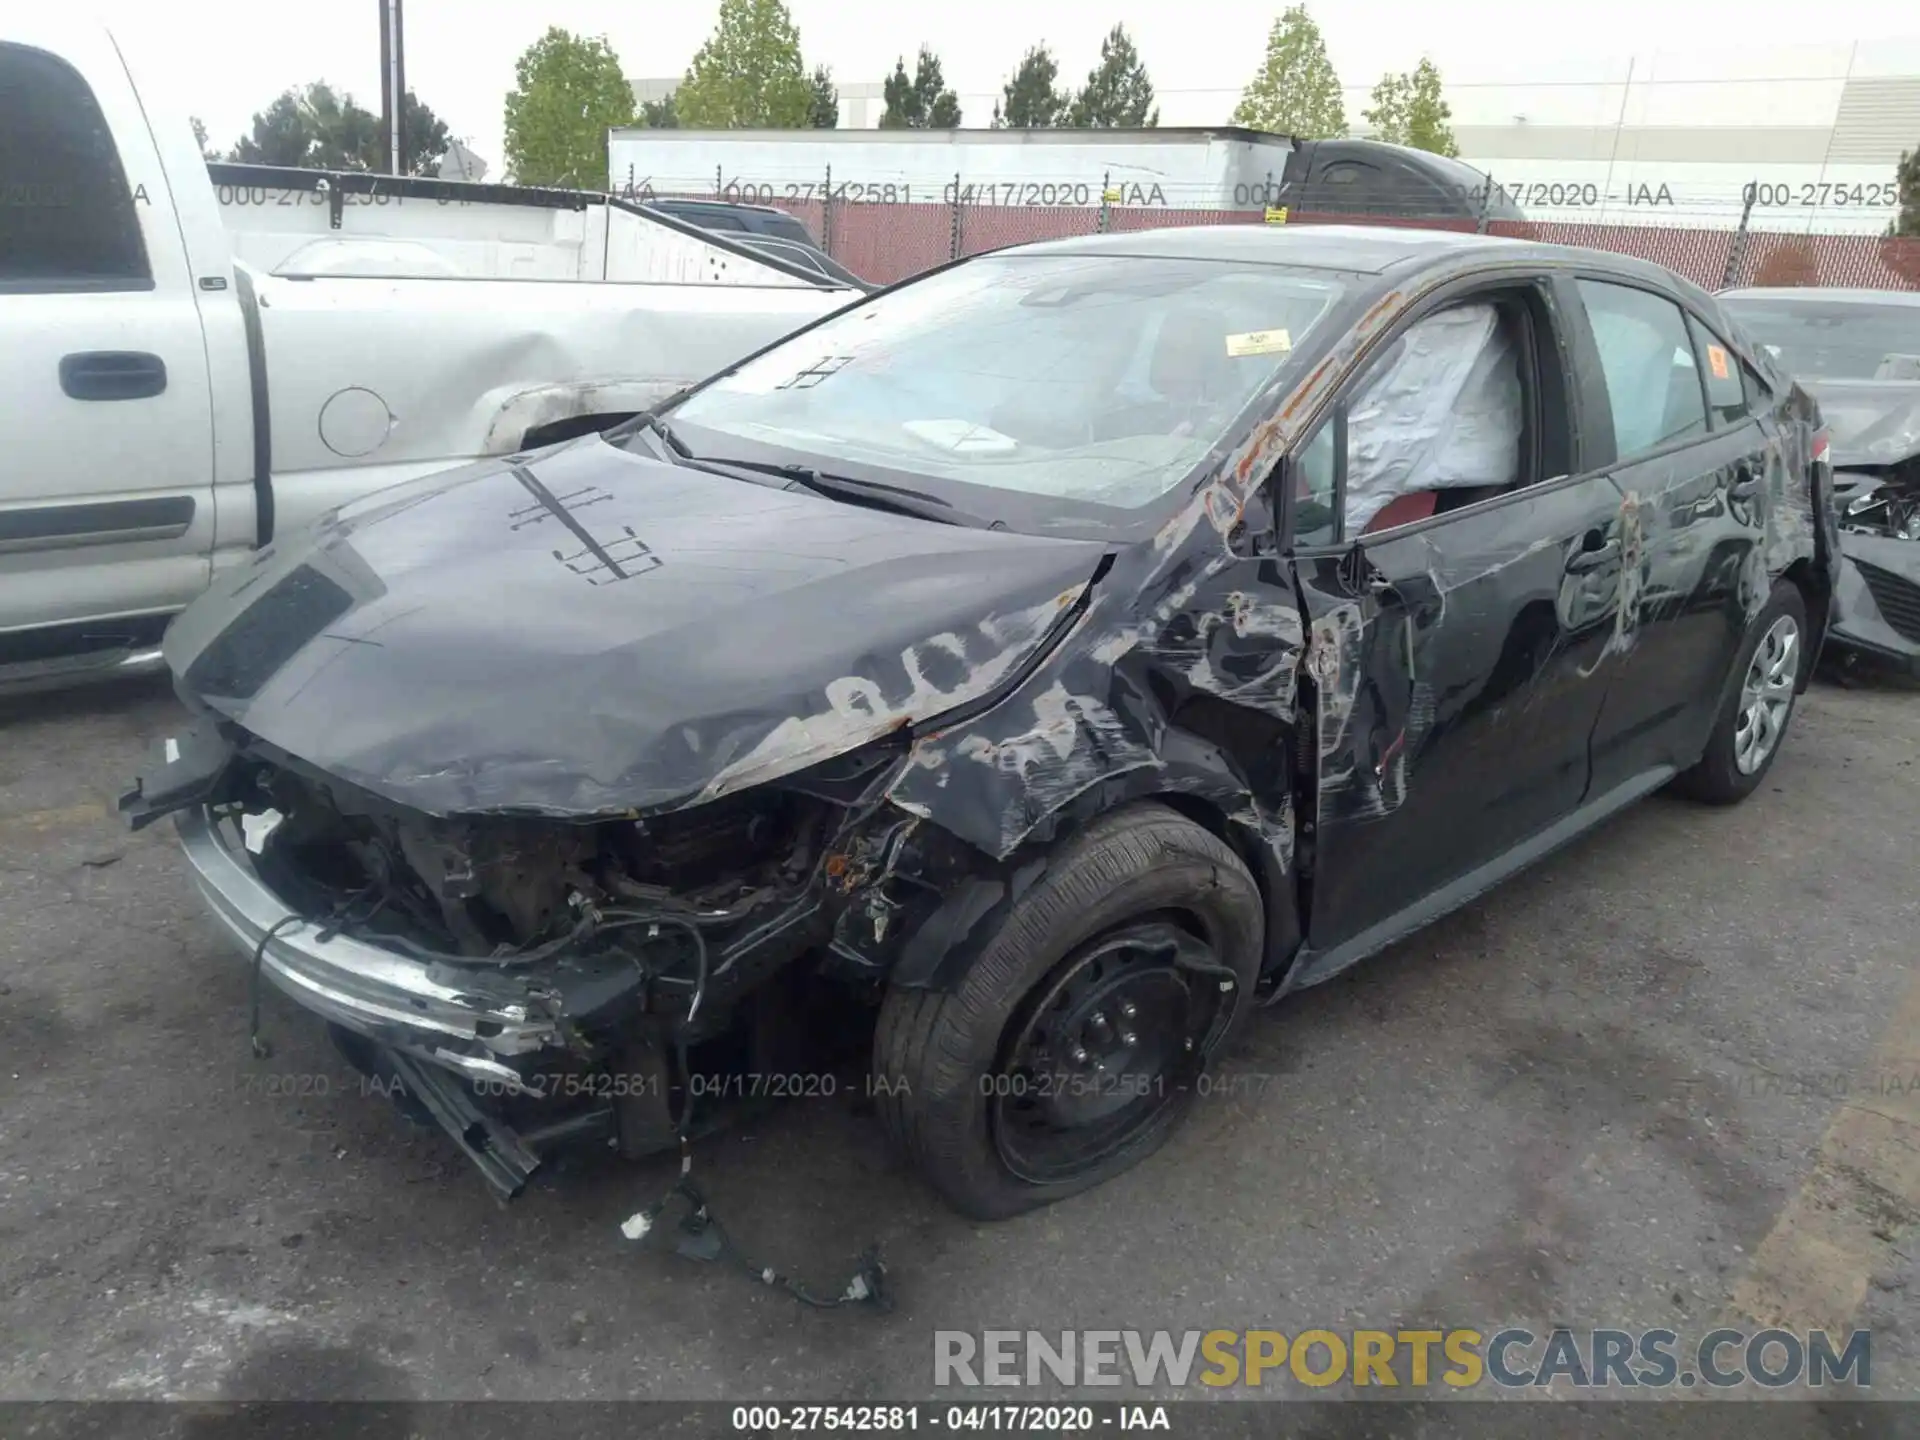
{"x": 196, "y": 359}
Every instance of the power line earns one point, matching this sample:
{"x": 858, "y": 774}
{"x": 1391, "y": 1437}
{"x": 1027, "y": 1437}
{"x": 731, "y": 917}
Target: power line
{"x": 1453, "y": 85}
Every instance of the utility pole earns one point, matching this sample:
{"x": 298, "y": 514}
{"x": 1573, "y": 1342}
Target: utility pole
{"x": 393, "y": 85}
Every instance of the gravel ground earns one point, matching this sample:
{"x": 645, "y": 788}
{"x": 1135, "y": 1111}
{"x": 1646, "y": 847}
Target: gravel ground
{"x": 1607, "y": 1094}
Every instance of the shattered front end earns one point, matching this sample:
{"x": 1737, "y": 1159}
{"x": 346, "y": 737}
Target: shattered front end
{"x": 1877, "y": 599}
{"x": 531, "y": 982}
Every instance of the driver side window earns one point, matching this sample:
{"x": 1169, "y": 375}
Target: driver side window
{"x": 1315, "y": 516}
{"x": 1438, "y": 421}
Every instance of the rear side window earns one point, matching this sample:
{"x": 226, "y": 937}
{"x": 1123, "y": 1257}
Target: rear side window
{"x": 1346, "y": 187}
{"x": 66, "y": 214}
{"x": 1646, "y": 356}
{"x": 785, "y": 227}
{"x": 1347, "y": 175}
{"x": 1727, "y": 400}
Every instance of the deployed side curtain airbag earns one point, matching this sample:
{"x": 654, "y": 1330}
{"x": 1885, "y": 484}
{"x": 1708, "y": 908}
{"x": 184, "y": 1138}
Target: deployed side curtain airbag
{"x": 1443, "y": 411}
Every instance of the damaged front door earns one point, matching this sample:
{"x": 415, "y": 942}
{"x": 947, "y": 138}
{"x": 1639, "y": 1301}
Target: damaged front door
{"x": 1457, "y": 627}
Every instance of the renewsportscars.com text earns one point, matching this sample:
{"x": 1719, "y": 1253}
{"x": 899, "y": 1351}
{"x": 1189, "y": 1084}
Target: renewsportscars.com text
{"x": 1509, "y": 1358}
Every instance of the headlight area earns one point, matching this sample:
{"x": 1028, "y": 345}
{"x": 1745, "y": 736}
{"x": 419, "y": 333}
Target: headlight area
{"x": 534, "y": 982}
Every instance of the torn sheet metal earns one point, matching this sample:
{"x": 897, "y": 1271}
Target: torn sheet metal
{"x": 495, "y": 640}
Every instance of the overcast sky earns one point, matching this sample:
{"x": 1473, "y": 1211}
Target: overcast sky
{"x": 460, "y": 53}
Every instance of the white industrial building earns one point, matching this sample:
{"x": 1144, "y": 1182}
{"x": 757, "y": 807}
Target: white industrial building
{"x": 1816, "y": 131}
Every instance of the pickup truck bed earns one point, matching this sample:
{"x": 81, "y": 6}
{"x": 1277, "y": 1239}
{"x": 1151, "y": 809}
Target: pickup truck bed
{"x": 185, "y": 376}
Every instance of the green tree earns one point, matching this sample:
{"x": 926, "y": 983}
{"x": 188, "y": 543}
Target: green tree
{"x": 922, "y": 102}
{"x": 1295, "y": 91}
{"x": 823, "y": 113}
{"x": 1409, "y": 109}
{"x": 568, "y": 92}
{"x": 749, "y": 74}
{"x": 1030, "y": 100}
{"x": 1117, "y": 94}
{"x": 659, "y": 114}
{"x": 319, "y": 128}
{"x": 281, "y": 134}
{"x": 1900, "y": 246}
{"x": 311, "y": 126}
{"x": 1906, "y": 221}
{"x": 426, "y": 135}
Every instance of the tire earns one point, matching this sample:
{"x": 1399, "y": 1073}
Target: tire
{"x": 1142, "y": 871}
{"x": 1726, "y": 774}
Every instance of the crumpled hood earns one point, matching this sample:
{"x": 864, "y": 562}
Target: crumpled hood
{"x": 1871, "y": 422}
{"x": 591, "y": 631}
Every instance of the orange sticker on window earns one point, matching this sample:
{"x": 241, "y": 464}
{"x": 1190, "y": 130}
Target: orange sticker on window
{"x": 1717, "y": 362}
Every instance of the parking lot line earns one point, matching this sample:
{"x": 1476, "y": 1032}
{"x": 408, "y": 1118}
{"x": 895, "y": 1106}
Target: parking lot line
{"x": 1841, "y": 1226}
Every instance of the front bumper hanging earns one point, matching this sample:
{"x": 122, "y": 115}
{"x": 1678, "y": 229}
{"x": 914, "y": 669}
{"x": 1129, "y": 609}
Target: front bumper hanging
{"x": 1876, "y": 604}
{"x": 460, "y": 1020}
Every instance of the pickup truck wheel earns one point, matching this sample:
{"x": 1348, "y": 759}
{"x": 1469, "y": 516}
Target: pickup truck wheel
{"x": 1758, "y": 706}
{"x": 1071, "y": 1046}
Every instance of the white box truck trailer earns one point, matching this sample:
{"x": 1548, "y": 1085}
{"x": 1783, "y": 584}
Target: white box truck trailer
{"x": 1220, "y": 168}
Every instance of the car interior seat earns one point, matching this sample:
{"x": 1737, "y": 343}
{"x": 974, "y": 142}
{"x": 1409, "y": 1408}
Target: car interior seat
{"x": 1403, "y": 510}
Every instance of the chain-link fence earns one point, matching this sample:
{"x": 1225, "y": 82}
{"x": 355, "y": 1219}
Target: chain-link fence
{"x": 1721, "y": 259}
{"x": 884, "y": 242}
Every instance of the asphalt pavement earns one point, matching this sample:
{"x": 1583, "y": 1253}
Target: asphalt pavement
{"x": 1664, "y": 1078}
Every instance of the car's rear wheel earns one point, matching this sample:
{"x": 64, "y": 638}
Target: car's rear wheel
{"x": 1758, "y": 707}
{"x": 1072, "y": 1045}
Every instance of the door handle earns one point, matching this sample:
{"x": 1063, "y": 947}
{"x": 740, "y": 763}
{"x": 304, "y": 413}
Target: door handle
{"x": 112, "y": 375}
{"x": 1745, "y": 484}
{"x": 1592, "y": 559}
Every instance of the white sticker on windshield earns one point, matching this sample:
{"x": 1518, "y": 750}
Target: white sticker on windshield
{"x": 1259, "y": 342}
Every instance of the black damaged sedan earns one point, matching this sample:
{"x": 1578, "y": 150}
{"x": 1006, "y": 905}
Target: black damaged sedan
{"x": 1035, "y": 668}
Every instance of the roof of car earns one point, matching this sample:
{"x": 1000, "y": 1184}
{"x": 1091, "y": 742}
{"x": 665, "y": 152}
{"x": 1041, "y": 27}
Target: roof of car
{"x": 675, "y": 203}
{"x": 1835, "y": 295}
{"x": 1368, "y": 249}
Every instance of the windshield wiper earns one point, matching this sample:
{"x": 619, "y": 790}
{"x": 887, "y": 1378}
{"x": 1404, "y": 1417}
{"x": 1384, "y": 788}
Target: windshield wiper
{"x": 648, "y": 420}
{"x": 678, "y": 450}
{"x": 871, "y": 493}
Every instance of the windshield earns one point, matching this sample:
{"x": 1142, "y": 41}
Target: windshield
{"x": 1835, "y": 341}
{"x": 1073, "y": 389}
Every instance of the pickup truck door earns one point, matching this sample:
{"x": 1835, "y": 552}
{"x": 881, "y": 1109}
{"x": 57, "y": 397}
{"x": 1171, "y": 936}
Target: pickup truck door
{"x": 106, "y": 478}
{"x": 1456, "y": 650}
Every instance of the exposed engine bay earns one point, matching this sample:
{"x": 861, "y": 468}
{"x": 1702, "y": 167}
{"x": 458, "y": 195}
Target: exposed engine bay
{"x": 670, "y": 956}
{"x": 1881, "y": 500}
{"x": 503, "y": 889}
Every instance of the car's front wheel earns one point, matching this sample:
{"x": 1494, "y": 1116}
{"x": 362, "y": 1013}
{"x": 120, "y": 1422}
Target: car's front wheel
{"x": 1754, "y": 715}
{"x": 1075, "y": 1041}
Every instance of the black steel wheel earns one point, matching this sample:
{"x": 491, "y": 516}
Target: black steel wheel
{"x": 1109, "y": 1045}
{"x": 1068, "y": 1048}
